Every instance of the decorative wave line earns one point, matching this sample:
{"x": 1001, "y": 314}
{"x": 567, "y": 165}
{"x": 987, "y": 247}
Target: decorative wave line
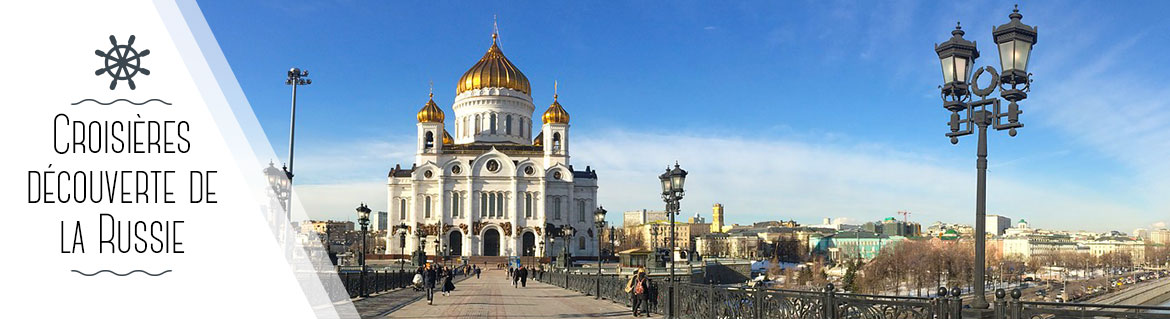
{"x": 122, "y": 275}
{"x": 122, "y": 100}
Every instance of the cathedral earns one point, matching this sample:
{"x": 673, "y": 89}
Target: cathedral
{"x": 487, "y": 187}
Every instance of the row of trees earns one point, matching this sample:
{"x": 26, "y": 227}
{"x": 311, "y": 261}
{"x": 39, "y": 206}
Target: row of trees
{"x": 918, "y": 266}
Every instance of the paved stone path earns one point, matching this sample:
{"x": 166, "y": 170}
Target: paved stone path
{"x": 492, "y": 296}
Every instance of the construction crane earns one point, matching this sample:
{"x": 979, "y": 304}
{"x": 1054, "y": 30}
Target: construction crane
{"x": 905, "y": 216}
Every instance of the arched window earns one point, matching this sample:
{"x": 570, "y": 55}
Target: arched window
{"x": 492, "y": 205}
{"x": 556, "y": 141}
{"x": 581, "y": 211}
{"x": 483, "y": 204}
{"x": 466, "y": 126}
{"x": 429, "y": 140}
{"x": 402, "y": 209}
{"x": 427, "y": 207}
{"x": 454, "y": 204}
{"x": 521, "y": 127}
{"x": 500, "y": 205}
{"x": 493, "y": 123}
{"x": 528, "y": 205}
{"x": 556, "y": 208}
{"x": 477, "y": 125}
{"x": 581, "y": 243}
{"x": 508, "y": 125}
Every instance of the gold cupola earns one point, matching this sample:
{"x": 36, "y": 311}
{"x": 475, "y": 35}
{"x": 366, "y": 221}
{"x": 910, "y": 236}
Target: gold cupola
{"x": 493, "y": 70}
{"x": 555, "y": 113}
{"x": 430, "y": 113}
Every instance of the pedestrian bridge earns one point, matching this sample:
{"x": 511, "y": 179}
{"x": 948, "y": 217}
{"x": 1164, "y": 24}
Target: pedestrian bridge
{"x": 492, "y": 296}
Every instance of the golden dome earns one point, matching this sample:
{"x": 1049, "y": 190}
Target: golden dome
{"x": 447, "y": 139}
{"x": 539, "y": 140}
{"x": 431, "y": 113}
{"x": 493, "y": 70}
{"x": 555, "y": 113}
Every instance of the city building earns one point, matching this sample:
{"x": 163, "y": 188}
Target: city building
{"x": 379, "y": 221}
{"x": 643, "y": 216}
{"x": 326, "y": 227}
{"x": 656, "y": 234}
{"x": 893, "y": 227}
{"x": 717, "y": 218}
{"x": 850, "y": 245}
{"x": 486, "y": 187}
{"x": 728, "y": 245}
{"x": 1025, "y": 247}
{"x": 1160, "y": 236}
{"x": 835, "y": 224}
{"x": 697, "y": 219}
{"x": 997, "y": 225}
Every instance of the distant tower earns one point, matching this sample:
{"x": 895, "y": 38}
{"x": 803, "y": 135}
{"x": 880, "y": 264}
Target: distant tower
{"x": 717, "y": 218}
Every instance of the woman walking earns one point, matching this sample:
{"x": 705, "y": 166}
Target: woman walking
{"x": 448, "y": 285}
{"x": 639, "y": 289}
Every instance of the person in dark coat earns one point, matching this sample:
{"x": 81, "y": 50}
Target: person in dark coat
{"x": 477, "y": 271}
{"x": 515, "y": 278}
{"x": 448, "y": 285}
{"x": 430, "y": 277}
{"x": 639, "y": 289}
{"x": 523, "y": 276}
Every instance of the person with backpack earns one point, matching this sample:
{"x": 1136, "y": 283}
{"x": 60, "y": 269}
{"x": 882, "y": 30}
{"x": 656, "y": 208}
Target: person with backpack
{"x": 639, "y": 289}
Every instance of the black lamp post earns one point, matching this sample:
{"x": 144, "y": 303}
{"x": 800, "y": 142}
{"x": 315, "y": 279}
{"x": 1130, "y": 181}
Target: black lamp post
{"x": 364, "y": 220}
{"x": 279, "y": 181}
{"x": 599, "y": 221}
{"x": 402, "y": 246}
{"x": 420, "y": 254}
{"x": 296, "y": 77}
{"x": 1014, "y": 41}
{"x": 612, "y": 248}
{"x": 567, "y": 238}
{"x": 672, "y": 192}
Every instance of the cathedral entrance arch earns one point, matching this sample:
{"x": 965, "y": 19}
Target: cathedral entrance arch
{"x": 491, "y": 242}
{"x": 455, "y": 243}
{"x": 529, "y": 244}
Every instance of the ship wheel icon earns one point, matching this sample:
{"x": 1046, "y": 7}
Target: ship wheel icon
{"x": 123, "y": 62}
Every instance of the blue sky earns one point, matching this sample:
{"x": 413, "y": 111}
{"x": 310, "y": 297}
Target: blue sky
{"x": 794, "y": 110}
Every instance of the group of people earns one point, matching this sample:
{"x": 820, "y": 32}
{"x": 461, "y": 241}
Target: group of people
{"x": 642, "y": 291}
{"x": 432, "y": 275}
{"x": 519, "y": 276}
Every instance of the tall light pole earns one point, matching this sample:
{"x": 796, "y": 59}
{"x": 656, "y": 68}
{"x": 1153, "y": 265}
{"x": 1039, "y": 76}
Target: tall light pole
{"x": 364, "y": 220}
{"x": 567, "y": 238}
{"x": 402, "y": 246}
{"x": 599, "y": 221}
{"x": 296, "y": 77}
{"x": 672, "y": 192}
{"x": 1014, "y": 41}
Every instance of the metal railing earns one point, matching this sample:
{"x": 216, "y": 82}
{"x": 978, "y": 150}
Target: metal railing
{"x": 375, "y": 281}
{"x": 710, "y": 301}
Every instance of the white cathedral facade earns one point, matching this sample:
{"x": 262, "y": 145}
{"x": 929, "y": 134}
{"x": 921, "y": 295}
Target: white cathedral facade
{"x": 487, "y": 187}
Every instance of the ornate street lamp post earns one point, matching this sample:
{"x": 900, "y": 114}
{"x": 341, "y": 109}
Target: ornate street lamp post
{"x": 420, "y": 254}
{"x": 296, "y": 77}
{"x": 402, "y": 246}
{"x": 1014, "y": 41}
{"x": 672, "y": 192}
{"x": 278, "y": 180}
{"x": 364, "y": 220}
{"x": 599, "y": 221}
{"x": 567, "y": 238}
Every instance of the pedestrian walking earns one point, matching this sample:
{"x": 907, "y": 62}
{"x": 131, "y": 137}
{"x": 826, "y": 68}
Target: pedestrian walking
{"x": 639, "y": 289}
{"x": 430, "y": 277}
{"x": 448, "y": 284}
{"x": 523, "y": 276}
{"x": 515, "y": 279}
{"x": 477, "y": 271}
